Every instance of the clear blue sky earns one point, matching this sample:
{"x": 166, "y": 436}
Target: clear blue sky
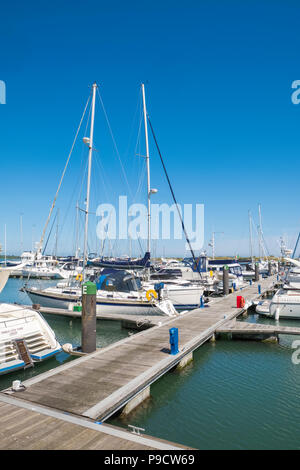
{"x": 218, "y": 78}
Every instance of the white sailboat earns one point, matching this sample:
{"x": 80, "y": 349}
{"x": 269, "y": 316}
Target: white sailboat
{"x": 133, "y": 298}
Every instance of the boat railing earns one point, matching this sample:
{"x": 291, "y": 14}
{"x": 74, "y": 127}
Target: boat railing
{"x": 26, "y": 319}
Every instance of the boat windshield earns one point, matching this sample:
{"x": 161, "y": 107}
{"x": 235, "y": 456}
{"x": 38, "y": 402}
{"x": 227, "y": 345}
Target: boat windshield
{"x": 118, "y": 281}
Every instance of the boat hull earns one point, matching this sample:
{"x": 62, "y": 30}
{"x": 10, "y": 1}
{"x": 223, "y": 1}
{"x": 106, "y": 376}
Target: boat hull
{"x": 105, "y": 306}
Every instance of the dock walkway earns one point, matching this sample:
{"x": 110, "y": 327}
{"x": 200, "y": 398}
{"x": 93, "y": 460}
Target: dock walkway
{"x": 95, "y": 386}
{"x": 101, "y": 383}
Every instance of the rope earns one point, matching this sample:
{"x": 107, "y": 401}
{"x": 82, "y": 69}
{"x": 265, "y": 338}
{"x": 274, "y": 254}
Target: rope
{"x": 60, "y": 183}
{"x": 173, "y": 195}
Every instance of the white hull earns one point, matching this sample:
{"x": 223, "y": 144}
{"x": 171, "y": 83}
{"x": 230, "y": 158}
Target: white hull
{"x": 105, "y": 305}
{"x": 284, "y": 304}
{"x": 183, "y": 296}
{"x": 18, "y": 323}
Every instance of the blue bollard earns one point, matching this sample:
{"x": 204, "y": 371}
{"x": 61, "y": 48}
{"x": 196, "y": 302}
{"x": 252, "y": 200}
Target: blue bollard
{"x": 174, "y": 340}
{"x": 201, "y": 302}
{"x": 234, "y": 285}
{"x": 250, "y": 282}
{"x": 259, "y": 288}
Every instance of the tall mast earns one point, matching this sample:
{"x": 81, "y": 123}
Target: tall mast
{"x": 250, "y": 235}
{"x": 56, "y": 236}
{"x": 90, "y": 144}
{"x": 21, "y": 232}
{"x": 5, "y": 262}
{"x": 148, "y": 170}
{"x": 260, "y": 231}
{"x": 77, "y": 232}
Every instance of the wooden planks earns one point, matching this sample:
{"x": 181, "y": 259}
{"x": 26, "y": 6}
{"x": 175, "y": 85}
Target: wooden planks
{"x": 99, "y": 384}
{"x": 29, "y": 429}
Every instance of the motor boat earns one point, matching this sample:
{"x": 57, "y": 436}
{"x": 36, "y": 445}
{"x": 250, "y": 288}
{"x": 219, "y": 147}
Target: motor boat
{"x": 285, "y": 303}
{"x": 184, "y": 295}
{"x": 25, "y": 336}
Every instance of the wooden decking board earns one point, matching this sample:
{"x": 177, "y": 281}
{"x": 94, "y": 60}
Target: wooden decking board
{"x": 98, "y": 384}
{"x": 54, "y": 433}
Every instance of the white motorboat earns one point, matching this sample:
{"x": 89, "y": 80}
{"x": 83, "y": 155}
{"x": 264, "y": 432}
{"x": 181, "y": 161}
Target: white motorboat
{"x": 25, "y": 336}
{"x": 195, "y": 280}
{"x": 284, "y": 304}
{"x": 184, "y": 295}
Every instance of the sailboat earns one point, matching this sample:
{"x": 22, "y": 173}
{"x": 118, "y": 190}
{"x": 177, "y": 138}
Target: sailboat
{"x": 115, "y": 295}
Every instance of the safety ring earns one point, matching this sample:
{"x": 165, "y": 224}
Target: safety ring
{"x": 150, "y": 294}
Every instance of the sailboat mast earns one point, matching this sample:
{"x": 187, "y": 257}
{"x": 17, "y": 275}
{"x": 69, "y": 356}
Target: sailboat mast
{"x": 90, "y": 142}
{"x": 148, "y": 170}
{"x": 260, "y": 231}
{"x": 250, "y": 235}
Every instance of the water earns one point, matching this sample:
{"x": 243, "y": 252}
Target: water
{"x": 67, "y": 330}
{"x": 234, "y": 395}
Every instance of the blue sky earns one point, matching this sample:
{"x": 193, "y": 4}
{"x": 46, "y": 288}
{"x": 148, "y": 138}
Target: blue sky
{"x": 218, "y": 78}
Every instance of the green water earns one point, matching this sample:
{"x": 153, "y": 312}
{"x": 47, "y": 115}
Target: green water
{"x": 235, "y": 394}
{"x": 67, "y": 330}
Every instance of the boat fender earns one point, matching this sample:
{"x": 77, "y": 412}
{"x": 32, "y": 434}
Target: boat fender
{"x": 150, "y": 294}
{"x": 17, "y": 386}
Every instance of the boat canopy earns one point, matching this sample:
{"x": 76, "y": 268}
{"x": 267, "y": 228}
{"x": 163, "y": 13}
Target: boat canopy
{"x": 121, "y": 263}
{"x": 198, "y": 265}
{"x": 117, "y": 280}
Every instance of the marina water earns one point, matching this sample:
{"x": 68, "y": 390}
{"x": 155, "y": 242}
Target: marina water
{"x": 234, "y": 395}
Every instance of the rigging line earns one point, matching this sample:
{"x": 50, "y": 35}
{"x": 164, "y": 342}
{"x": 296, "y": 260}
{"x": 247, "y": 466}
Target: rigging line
{"x": 173, "y": 195}
{"x": 263, "y": 246}
{"x": 133, "y": 122}
{"x": 114, "y": 142}
{"x": 44, "y": 250}
{"x": 66, "y": 219}
{"x": 63, "y": 174}
{"x": 60, "y": 183}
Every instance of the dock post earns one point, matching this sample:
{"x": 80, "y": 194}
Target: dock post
{"x": 259, "y": 288}
{"x": 201, "y": 302}
{"x": 256, "y": 272}
{"x": 174, "y": 340}
{"x": 225, "y": 280}
{"x": 88, "y": 317}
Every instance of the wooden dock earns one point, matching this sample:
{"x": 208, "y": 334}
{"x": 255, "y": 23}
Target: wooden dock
{"x": 118, "y": 377}
{"x": 245, "y": 328}
{"x": 27, "y": 427}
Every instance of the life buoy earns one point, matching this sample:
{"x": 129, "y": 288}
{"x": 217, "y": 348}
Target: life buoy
{"x": 242, "y": 302}
{"x": 150, "y": 294}
{"x": 79, "y": 277}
